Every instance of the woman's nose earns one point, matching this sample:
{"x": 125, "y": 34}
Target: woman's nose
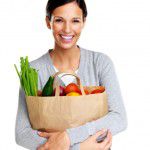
{"x": 67, "y": 28}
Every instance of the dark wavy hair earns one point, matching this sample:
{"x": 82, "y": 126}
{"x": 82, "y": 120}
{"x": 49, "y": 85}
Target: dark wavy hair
{"x": 53, "y": 4}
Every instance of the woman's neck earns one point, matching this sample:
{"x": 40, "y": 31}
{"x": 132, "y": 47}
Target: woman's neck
{"x": 66, "y": 59}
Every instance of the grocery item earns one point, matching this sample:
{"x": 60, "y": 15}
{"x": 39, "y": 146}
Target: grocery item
{"x": 72, "y": 87}
{"x": 48, "y": 88}
{"x": 73, "y": 94}
{"x": 28, "y": 77}
{"x": 86, "y": 92}
{"x": 100, "y": 89}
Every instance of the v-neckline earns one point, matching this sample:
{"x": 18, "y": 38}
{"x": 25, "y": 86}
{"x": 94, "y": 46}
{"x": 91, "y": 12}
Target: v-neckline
{"x": 51, "y": 66}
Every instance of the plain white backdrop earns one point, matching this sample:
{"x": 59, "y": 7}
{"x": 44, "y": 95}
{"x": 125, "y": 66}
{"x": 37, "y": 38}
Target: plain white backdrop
{"x": 119, "y": 28}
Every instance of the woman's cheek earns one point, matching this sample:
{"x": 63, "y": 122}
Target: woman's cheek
{"x": 78, "y": 29}
{"x": 57, "y": 28}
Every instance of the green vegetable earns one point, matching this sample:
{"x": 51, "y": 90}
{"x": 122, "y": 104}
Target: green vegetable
{"x": 28, "y": 77}
{"x": 48, "y": 88}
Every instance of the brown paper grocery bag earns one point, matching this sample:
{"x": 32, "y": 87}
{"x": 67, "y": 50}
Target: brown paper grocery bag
{"x": 57, "y": 113}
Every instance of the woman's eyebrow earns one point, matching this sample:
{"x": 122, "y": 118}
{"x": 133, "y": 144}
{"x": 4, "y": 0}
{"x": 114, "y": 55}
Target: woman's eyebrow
{"x": 77, "y": 18}
{"x": 58, "y": 17}
{"x": 62, "y": 17}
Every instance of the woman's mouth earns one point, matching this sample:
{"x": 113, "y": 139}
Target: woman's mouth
{"x": 66, "y": 38}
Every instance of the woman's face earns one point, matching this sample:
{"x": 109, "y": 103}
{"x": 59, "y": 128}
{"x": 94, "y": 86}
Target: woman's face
{"x": 66, "y": 24}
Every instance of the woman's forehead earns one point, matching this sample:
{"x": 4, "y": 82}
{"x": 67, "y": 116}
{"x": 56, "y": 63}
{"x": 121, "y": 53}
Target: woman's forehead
{"x": 68, "y": 10}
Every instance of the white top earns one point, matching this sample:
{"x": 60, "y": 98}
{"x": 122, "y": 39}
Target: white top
{"x": 66, "y": 79}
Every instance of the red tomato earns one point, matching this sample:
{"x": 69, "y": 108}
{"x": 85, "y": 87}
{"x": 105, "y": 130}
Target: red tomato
{"x": 101, "y": 89}
{"x": 72, "y": 87}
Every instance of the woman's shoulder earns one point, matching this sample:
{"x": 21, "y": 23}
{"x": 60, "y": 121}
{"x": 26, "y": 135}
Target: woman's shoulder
{"x": 40, "y": 61}
{"x": 96, "y": 56}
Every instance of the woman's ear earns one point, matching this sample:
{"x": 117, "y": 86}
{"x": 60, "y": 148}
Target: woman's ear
{"x": 48, "y": 22}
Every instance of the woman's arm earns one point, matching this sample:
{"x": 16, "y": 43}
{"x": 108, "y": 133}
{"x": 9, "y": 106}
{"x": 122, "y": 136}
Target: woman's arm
{"x": 115, "y": 120}
{"x": 60, "y": 140}
{"x": 24, "y": 134}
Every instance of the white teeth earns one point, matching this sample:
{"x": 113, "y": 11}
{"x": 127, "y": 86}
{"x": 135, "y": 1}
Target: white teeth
{"x": 67, "y": 37}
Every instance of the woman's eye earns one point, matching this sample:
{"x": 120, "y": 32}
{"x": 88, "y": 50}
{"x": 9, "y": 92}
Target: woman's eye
{"x": 58, "y": 20}
{"x": 76, "y": 21}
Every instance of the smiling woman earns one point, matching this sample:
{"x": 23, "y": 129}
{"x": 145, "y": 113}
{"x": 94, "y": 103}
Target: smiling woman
{"x": 66, "y": 19}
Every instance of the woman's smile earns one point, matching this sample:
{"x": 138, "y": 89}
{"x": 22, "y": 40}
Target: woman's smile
{"x": 66, "y": 38}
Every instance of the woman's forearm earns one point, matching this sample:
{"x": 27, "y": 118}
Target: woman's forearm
{"x": 115, "y": 120}
{"x": 24, "y": 134}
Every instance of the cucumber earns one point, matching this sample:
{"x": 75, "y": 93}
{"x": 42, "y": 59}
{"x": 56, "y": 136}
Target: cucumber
{"x": 48, "y": 88}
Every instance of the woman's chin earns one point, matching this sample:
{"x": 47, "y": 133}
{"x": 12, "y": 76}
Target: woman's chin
{"x": 67, "y": 46}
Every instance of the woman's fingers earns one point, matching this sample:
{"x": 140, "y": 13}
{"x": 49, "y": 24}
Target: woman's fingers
{"x": 108, "y": 146}
{"x": 97, "y": 134}
{"x": 105, "y": 145}
{"x": 44, "y": 134}
{"x": 47, "y": 134}
{"x": 109, "y": 142}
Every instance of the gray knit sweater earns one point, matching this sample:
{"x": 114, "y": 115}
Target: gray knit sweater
{"x": 95, "y": 68}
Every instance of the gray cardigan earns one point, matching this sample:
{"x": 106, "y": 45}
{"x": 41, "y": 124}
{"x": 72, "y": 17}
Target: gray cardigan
{"x": 95, "y": 68}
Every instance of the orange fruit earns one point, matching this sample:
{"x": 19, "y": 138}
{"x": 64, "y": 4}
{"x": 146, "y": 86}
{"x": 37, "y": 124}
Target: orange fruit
{"x": 73, "y": 94}
{"x": 72, "y": 87}
{"x": 101, "y": 89}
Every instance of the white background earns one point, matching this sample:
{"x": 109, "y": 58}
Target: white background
{"x": 119, "y": 28}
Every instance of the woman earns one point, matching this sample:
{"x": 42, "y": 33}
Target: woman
{"x": 66, "y": 19}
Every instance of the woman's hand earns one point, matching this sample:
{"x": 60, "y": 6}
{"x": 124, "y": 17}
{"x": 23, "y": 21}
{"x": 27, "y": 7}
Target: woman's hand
{"x": 91, "y": 144}
{"x": 55, "y": 141}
